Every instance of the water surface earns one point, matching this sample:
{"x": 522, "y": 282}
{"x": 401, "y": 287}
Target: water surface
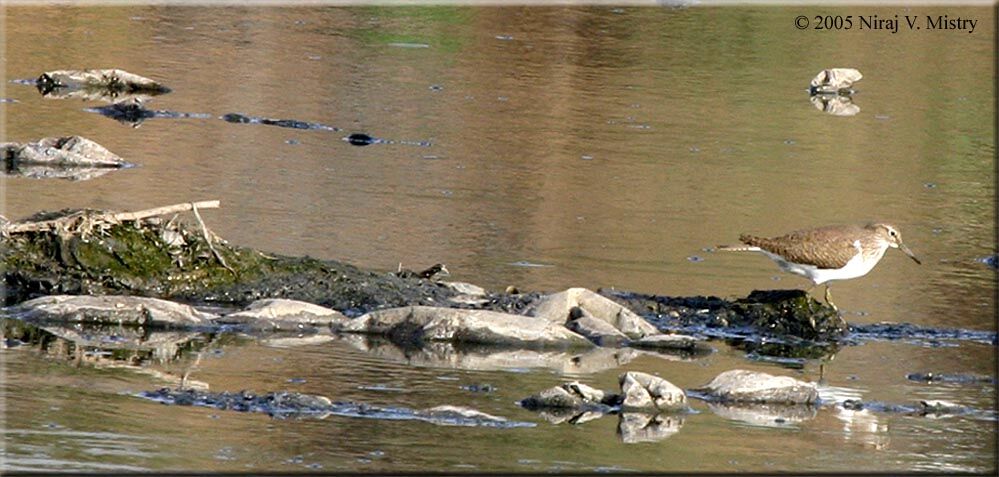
{"x": 613, "y": 147}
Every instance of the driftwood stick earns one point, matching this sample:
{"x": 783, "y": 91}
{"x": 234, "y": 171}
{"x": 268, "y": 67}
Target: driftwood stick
{"x": 13, "y": 228}
{"x": 168, "y": 209}
{"x": 208, "y": 238}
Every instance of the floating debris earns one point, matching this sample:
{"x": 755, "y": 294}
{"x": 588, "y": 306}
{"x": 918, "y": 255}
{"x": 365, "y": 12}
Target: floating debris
{"x": 409, "y": 45}
{"x": 133, "y": 113}
{"x": 992, "y": 261}
{"x": 361, "y": 139}
{"x": 526, "y": 264}
{"x": 237, "y": 118}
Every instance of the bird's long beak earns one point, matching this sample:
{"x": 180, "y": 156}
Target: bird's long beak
{"x": 908, "y": 252}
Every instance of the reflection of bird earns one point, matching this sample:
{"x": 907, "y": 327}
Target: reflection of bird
{"x": 835, "y": 252}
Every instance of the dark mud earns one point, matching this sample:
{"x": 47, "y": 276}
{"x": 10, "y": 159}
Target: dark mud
{"x": 781, "y": 324}
{"x": 791, "y": 315}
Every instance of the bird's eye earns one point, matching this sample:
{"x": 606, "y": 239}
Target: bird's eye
{"x": 891, "y": 232}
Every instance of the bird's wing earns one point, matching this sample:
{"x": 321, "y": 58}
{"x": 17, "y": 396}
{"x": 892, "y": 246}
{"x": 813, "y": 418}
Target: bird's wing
{"x": 802, "y": 247}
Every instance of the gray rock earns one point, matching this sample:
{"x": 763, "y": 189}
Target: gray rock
{"x": 414, "y": 324}
{"x": 282, "y": 314}
{"x": 599, "y": 332}
{"x": 666, "y": 342}
{"x": 71, "y": 157}
{"x": 557, "y": 308}
{"x": 645, "y": 391}
{"x": 110, "y": 85}
{"x": 572, "y": 395}
{"x": 740, "y": 385}
{"x": 464, "y": 288}
{"x": 109, "y": 309}
{"x": 834, "y": 80}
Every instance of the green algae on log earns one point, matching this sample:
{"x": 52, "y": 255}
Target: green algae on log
{"x": 103, "y": 253}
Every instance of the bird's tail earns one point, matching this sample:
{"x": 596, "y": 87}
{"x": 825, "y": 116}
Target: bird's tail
{"x": 738, "y": 248}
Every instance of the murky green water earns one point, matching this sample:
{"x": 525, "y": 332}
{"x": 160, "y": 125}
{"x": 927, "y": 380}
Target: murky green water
{"x": 611, "y": 145}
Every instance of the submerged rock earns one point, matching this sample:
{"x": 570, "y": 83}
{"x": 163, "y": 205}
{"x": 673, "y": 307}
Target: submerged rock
{"x": 283, "y": 404}
{"x": 950, "y": 378}
{"x": 740, "y": 385}
{"x": 129, "y": 310}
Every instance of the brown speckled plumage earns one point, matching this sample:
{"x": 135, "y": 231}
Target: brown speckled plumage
{"x": 824, "y": 247}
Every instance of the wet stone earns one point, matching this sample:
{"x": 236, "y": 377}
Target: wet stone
{"x": 750, "y": 386}
{"x": 645, "y": 391}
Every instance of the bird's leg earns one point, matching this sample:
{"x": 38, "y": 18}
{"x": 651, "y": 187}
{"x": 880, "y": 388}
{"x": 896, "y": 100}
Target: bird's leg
{"x": 829, "y": 299}
{"x": 808, "y": 298}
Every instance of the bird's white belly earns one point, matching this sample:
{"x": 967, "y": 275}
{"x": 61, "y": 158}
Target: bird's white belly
{"x": 856, "y": 267}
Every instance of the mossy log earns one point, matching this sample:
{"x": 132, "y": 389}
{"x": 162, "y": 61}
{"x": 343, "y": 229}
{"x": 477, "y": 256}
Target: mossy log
{"x": 100, "y": 253}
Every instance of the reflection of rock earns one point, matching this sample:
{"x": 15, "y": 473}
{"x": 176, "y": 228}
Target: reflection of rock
{"x": 557, "y": 415}
{"x": 750, "y": 386}
{"x": 72, "y": 157}
{"x": 282, "y": 314}
{"x": 641, "y": 427}
{"x": 490, "y": 358}
{"x": 763, "y": 414}
{"x": 835, "y": 80}
{"x": 106, "y": 84}
{"x": 416, "y": 324}
{"x": 559, "y": 308}
{"x": 863, "y": 426}
{"x": 835, "y": 104}
{"x": 645, "y": 391}
{"x": 163, "y": 343}
{"x": 130, "y": 310}
{"x": 282, "y": 339}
